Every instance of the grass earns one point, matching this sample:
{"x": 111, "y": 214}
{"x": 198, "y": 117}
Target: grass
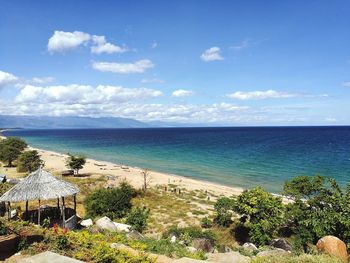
{"x": 305, "y": 258}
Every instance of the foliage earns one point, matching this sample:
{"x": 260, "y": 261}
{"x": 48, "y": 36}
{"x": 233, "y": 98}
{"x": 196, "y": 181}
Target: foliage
{"x": 206, "y": 222}
{"x": 223, "y": 207}
{"x": 75, "y": 163}
{"x": 303, "y": 186}
{"x": 114, "y": 203}
{"x": 4, "y": 187}
{"x": 29, "y": 161}
{"x": 10, "y": 149}
{"x": 324, "y": 212}
{"x": 138, "y": 218}
{"x": 264, "y": 213}
{"x": 187, "y": 234}
{"x": 3, "y": 229}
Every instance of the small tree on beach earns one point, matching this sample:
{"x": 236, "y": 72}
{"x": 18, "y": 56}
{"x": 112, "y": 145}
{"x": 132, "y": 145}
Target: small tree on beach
{"x": 146, "y": 179}
{"x": 29, "y": 161}
{"x": 75, "y": 163}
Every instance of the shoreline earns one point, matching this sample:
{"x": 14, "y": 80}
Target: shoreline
{"x": 55, "y": 162}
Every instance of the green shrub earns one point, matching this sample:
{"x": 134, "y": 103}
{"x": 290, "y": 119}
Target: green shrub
{"x": 206, "y": 222}
{"x": 29, "y": 161}
{"x": 263, "y": 214}
{"x": 138, "y": 218}
{"x": 223, "y": 207}
{"x": 114, "y": 203}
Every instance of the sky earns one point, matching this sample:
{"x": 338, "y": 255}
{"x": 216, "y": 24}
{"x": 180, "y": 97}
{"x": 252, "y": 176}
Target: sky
{"x": 236, "y": 63}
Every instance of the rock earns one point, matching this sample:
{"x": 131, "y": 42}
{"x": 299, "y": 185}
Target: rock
{"x": 190, "y": 260}
{"x": 281, "y": 243}
{"x": 124, "y": 248}
{"x": 202, "y": 244}
{"x": 122, "y": 227}
{"x": 173, "y": 239}
{"x": 161, "y": 258}
{"x": 273, "y": 252}
{"x": 224, "y": 249}
{"x": 333, "y": 246}
{"x": 249, "y": 247}
{"x": 105, "y": 223}
{"x": 191, "y": 249}
{"x": 86, "y": 222}
{"x": 231, "y": 257}
{"x": 13, "y": 213}
{"x": 133, "y": 234}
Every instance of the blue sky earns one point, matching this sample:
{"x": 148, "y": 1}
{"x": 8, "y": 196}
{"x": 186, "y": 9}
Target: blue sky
{"x": 216, "y": 62}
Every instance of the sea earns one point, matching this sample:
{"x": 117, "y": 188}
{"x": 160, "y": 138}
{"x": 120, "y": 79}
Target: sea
{"x": 232, "y": 156}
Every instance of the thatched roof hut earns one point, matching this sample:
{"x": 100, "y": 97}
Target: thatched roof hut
{"x": 39, "y": 185}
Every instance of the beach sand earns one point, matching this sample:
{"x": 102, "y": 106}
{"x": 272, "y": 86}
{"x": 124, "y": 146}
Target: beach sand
{"x": 56, "y": 163}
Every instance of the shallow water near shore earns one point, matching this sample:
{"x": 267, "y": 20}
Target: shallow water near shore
{"x": 240, "y": 157}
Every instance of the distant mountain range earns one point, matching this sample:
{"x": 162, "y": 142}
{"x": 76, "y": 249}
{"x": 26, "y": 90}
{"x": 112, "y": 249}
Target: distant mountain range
{"x": 48, "y": 122}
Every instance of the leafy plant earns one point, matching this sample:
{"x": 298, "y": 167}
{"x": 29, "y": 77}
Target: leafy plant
{"x": 29, "y": 161}
{"x": 10, "y": 149}
{"x": 138, "y": 218}
{"x": 223, "y": 207}
{"x": 114, "y": 203}
{"x": 75, "y": 162}
{"x": 206, "y": 222}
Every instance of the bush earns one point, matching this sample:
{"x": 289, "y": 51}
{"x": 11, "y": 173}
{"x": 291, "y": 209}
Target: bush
{"x": 223, "y": 207}
{"x": 263, "y": 214}
{"x": 114, "y": 203}
{"x": 75, "y": 163}
{"x": 10, "y": 149}
{"x": 206, "y": 222}
{"x": 29, "y": 161}
{"x": 324, "y": 210}
{"x": 138, "y": 218}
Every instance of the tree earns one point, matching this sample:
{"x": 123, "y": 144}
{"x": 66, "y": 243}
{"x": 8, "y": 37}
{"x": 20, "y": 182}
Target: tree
{"x": 138, "y": 218}
{"x": 114, "y": 203}
{"x": 264, "y": 213}
{"x": 29, "y": 161}
{"x": 223, "y": 207}
{"x": 10, "y": 149}
{"x": 146, "y": 179}
{"x": 75, "y": 162}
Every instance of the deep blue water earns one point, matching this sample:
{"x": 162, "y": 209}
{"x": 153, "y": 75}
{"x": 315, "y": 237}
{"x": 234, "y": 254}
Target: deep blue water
{"x": 243, "y": 157}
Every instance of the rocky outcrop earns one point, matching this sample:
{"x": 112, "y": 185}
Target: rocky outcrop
{"x": 231, "y": 257}
{"x": 123, "y": 247}
{"x": 250, "y": 247}
{"x": 133, "y": 234}
{"x": 281, "y": 243}
{"x": 333, "y": 246}
{"x": 105, "y": 223}
{"x": 273, "y": 252}
{"x": 122, "y": 227}
{"x": 203, "y": 244}
{"x": 86, "y": 223}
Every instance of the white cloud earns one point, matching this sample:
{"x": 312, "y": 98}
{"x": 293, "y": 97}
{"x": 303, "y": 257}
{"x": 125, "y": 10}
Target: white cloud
{"x": 182, "y": 93}
{"x": 42, "y": 80}
{"x": 260, "y": 95}
{"x": 123, "y": 68}
{"x": 154, "y": 45}
{"x": 346, "y": 84}
{"x": 6, "y": 78}
{"x": 243, "y": 44}
{"x": 62, "y": 41}
{"x": 102, "y": 46}
{"x": 83, "y": 94}
{"x": 212, "y": 54}
{"x": 154, "y": 80}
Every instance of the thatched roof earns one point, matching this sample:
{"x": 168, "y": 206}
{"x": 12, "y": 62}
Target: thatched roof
{"x": 39, "y": 185}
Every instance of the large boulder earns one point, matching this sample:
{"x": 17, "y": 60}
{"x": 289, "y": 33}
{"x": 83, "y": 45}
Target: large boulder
{"x": 123, "y": 247}
{"x": 273, "y": 252}
{"x": 250, "y": 247}
{"x": 122, "y": 227}
{"x": 333, "y": 246}
{"x": 86, "y": 222}
{"x": 105, "y": 223}
{"x": 281, "y": 243}
{"x": 203, "y": 244}
{"x": 231, "y": 257}
{"x": 133, "y": 234}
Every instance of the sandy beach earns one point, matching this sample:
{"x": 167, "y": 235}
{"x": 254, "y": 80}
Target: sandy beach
{"x": 55, "y": 162}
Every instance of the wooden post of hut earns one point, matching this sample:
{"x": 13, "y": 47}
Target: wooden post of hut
{"x": 75, "y": 204}
{"x": 63, "y": 212}
{"x": 8, "y": 210}
{"x": 27, "y": 210}
{"x": 39, "y": 213}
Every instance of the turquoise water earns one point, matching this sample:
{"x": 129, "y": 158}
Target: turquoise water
{"x": 244, "y": 157}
